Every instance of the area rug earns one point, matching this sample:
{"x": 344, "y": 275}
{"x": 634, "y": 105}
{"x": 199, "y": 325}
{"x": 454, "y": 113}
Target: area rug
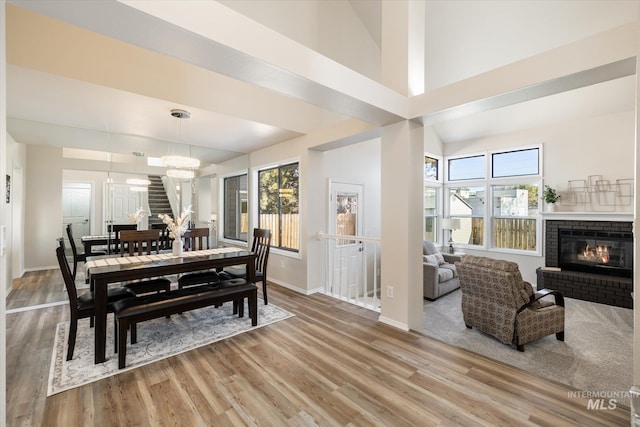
{"x": 157, "y": 339}
{"x": 596, "y": 354}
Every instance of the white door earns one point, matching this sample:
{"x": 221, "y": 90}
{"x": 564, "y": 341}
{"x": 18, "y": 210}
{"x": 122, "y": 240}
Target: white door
{"x": 345, "y": 216}
{"x": 122, "y": 203}
{"x": 76, "y": 209}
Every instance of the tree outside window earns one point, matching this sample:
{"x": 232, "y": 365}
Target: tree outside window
{"x": 278, "y": 193}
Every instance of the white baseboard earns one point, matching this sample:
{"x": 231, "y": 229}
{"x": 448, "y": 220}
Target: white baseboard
{"x": 394, "y": 323}
{"x": 53, "y": 267}
{"x": 293, "y": 288}
{"x": 36, "y": 307}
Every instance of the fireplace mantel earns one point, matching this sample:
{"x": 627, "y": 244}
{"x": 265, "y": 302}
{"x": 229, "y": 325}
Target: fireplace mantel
{"x": 589, "y": 216}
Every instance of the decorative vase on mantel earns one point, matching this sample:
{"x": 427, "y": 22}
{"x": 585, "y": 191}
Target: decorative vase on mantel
{"x": 550, "y": 207}
{"x": 176, "y": 247}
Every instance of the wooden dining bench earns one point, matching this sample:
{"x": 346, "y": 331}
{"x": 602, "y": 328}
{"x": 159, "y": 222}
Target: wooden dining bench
{"x": 131, "y": 311}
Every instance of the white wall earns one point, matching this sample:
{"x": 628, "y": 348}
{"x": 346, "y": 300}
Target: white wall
{"x": 329, "y": 27}
{"x": 357, "y": 164}
{"x": 602, "y": 145}
{"x": 43, "y": 216}
{"x": 16, "y": 167}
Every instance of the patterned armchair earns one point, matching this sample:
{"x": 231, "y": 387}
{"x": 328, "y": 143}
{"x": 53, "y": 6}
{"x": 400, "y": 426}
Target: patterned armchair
{"x": 496, "y": 301}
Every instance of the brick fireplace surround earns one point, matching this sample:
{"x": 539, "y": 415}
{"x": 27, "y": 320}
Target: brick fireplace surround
{"x": 604, "y": 289}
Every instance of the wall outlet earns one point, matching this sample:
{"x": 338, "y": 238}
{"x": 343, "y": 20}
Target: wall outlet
{"x": 281, "y": 263}
{"x": 389, "y": 291}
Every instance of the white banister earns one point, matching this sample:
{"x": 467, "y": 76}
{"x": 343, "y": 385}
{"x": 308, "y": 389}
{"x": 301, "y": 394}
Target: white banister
{"x": 351, "y": 270}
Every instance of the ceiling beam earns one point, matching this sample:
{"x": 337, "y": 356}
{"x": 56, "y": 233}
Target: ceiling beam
{"x": 213, "y": 36}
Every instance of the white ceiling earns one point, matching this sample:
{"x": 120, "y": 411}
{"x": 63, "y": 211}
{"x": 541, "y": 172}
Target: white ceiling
{"x": 56, "y": 96}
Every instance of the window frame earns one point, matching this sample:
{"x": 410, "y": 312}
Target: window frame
{"x": 275, "y": 248}
{"x": 447, "y": 164}
{"x": 439, "y": 168}
{"x": 465, "y": 183}
{"x": 489, "y": 182}
{"x": 511, "y": 181}
{"x": 222, "y": 220}
{"x": 438, "y": 211}
{"x": 521, "y": 149}
{"x": 438, "y": 185}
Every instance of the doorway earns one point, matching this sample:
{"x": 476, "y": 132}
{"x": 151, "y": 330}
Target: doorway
{"x": 346, "y": 261}
{"x": 120, "y": 202}
{"x": 76, "y": 208}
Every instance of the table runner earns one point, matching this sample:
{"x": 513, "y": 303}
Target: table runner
{"x": 103, "y": 262}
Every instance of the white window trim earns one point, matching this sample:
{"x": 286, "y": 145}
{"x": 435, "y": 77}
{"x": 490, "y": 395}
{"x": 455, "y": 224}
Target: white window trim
{"x": 439, "y": 233}
{"x": 527, "y": 179}
{"x": 477, "y": 154}
{"x": 488, "y": 182}
{"x": 447, "y": 207}
{"x": 504, "y": 150}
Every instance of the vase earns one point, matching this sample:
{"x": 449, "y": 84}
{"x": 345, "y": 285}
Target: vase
{"x": 176, "y": 247}
{"x": 550, "y": 207}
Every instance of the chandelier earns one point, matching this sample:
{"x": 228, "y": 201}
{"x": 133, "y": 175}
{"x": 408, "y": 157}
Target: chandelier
{"x": 138, "y": 182}
{"x": 180, "y": 166}
{"x": 183, "y": 162}
{"x": 180, "y": 173}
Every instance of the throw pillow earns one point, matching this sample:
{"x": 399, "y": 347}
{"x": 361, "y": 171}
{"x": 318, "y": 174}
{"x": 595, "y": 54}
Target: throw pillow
{"x": 435, "y": 259}
{"x": 430, "y": 259}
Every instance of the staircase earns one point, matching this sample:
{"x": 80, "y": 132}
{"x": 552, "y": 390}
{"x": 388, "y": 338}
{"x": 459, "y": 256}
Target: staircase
{"x": 158, "y": 201}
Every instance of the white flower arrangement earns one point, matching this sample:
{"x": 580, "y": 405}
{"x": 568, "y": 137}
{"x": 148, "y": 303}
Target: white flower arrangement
{"x": 179, "y": 226}
{"x": 137, "y": 216}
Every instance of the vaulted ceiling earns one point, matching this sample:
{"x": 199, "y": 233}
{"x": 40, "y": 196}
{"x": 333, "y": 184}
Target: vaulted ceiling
{"x": 104, "y": 75}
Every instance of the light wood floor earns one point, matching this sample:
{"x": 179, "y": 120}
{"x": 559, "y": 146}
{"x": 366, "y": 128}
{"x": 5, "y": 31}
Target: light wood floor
{"x": 331, "y": 364}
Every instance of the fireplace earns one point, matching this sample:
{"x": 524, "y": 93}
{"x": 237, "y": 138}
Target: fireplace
{"x": 589, "y": 260}
{"x": 598, "y": 252}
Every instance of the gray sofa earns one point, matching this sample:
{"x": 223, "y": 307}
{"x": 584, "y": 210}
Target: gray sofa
{"x": 439, "y": 272}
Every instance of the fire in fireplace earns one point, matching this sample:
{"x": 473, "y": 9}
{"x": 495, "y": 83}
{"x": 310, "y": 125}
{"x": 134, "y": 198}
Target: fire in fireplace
{"x": 601, "y": 252}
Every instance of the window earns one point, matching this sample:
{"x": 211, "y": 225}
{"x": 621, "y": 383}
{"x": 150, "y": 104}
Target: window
{"x": 515, "y": 211}
{"x": 468, "y": 205}
{"x": 467, "y": 168}
{"x": 515, "y": 163}
{"x": 278, "y": 205}
{"x": 430, "y": 169}
{"x": 498, "y": 207}
{"x": 431, "y": 213}
{"x": 236, "y": 222}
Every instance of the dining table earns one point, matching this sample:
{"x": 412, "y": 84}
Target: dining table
{"x": 103, "y": 271}
{"x": 102, "y": 240}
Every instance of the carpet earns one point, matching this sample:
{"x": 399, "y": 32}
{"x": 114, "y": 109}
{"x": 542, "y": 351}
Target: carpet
{"x": 157, "y": 339}
{"x": 595, "y": 356}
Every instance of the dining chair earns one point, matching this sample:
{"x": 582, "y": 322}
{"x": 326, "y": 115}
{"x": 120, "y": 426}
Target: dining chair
{"x": 83, "y": 306}
{"x": 165, "y": 241}
{"x": 141, "y": 242}
{"x": 197, "y": 239}
{"x": 260, "y": 246}
{"x": 77, "y": 257}
{"x": 116, "y": 229}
